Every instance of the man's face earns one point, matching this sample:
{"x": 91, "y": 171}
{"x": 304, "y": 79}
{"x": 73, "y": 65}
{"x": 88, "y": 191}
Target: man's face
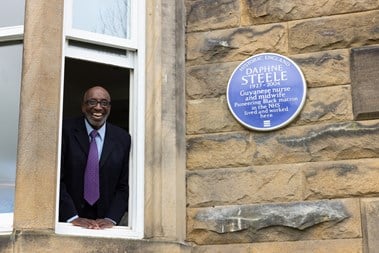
{"x": 96, "y": 106}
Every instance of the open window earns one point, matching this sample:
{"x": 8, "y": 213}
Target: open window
{"x": 11, "y": 35}
{"x": 101, "y": 47}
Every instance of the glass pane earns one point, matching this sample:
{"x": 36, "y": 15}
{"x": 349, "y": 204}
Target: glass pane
{"x": 10, "y": 80}
{"x": 12, "y": 13}
{"x": 104, "y": 17}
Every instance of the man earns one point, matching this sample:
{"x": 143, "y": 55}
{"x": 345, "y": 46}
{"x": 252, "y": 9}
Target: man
{"x": 89, "y": 199}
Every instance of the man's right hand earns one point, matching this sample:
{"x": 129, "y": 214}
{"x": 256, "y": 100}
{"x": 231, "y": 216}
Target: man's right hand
{"x": 85, "y": 223}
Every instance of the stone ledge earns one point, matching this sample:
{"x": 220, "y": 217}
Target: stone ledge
{"x": 319, "y": 246}
{"x": 48, "y": 241}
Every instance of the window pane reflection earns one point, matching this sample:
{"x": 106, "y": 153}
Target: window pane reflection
{"x": 10, "y": 80}
{"x": 104, "y": 17}
{"x": 12, "y": 13}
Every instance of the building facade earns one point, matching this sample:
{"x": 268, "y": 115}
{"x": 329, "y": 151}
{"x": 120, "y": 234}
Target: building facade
{"x": 200, "y": 181}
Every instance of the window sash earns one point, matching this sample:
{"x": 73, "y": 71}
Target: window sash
{"x": 14, "y": 78}
{"x": 102, "y": 39}
{"x": 12, "y": 13}
{"x": 11, "y": 33}
{"x": 134, "y": 59}
{"x": 127, "y": 60}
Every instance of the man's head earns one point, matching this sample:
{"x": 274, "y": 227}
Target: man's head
{"x": 96, "y": 106}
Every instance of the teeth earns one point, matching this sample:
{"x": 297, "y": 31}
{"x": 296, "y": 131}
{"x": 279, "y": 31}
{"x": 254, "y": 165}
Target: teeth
{"x": 97, "y": 114}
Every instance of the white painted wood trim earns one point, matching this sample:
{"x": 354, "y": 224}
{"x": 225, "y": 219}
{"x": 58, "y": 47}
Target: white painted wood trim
{"x": 134, "y": 60}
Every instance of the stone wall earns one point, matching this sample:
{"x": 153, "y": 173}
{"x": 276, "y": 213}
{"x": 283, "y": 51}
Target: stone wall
{"x": 164, "y": 159}
{"x": 312, "y": 185}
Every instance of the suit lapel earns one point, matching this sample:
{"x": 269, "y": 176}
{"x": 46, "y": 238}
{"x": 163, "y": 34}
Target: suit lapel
{"x": 81, "y": 136}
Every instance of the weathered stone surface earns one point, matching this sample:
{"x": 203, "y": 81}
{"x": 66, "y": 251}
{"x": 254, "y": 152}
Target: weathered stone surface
{"x": 230, "y": 248}
{"x": 47, "y": 241}
{"x": 335, "y": 32}
{"x": 322, "y": 246}
{"x": 204, "y": 15}
{"x": 273, "y": 11}
{"x": 283, "y": 183}
{"x": 329, "y": 219}
{"x": 6, "y": 244}
{"x": 342, "y": 179}
{"x": 323, "y": 142}
{"x": 320, "y": 69}
{"x": 370, "y": 221}
{"x": 39, "y": 119}
{"x": 325, "y": 68}
{"x": 299, "y": 215}
{"x": 210, "y": 116}
{"x": 365, "y": 76}
{"x": 309, "y": 246}
{"x": 237, "y": 186}
{"x": 328, "y": 104}
{"x": 219, "y": 150}
{"x": 208, "y": 81}
{"x": 235, "y": 44}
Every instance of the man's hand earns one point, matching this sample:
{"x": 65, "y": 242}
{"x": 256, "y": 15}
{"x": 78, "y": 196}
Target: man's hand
{"x": 92, "y": 224}
{"x": 85, "y": 223}
{"x": 104, "y": 223}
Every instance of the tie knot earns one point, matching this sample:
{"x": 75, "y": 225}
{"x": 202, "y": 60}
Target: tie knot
{"x": 93, "y": 134}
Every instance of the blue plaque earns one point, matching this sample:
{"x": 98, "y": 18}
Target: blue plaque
{"x": 266, "y": 92}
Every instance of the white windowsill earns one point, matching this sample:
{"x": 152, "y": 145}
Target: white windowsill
{"x": 6, "y": 223}
{"x": 115, "y": 232}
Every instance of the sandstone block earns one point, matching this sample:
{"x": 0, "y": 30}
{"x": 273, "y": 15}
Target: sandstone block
{"x": 219, "y": 150}
{"x": 210, "y": 116}
{"x": 312, "y": 246}
{"x": 342, "y": 179}
{"x": 235, "y": 44}
{"x": 236, "y": 186}
{"x": 327, "y": 104}
{"x": 318, "y": 220}
{"x": 274, "y": 11}
{"x": 325, "y": 68}
{"x": 204, "y": 15}
{"x": 231, "y": 248}
{"x": 208, "y": 81}
{"x": 324, "y": 142}
{"x": 370, "y": 220}
{"x": 334, "y": 32}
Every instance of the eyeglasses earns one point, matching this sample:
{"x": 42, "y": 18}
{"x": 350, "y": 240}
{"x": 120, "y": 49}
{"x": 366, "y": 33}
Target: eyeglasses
{"x": 94, "y": 102}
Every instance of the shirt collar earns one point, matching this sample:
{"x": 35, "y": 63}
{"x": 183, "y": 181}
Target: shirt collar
{"x": 100, "y": 131}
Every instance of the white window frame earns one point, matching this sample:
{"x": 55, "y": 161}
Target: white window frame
{"x": 102, "y": 39}
{"x": 134, "y": 60}
{"x": 11, "y": 33}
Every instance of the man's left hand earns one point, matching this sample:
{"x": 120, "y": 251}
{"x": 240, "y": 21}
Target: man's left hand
{"x": 104, "y": 223}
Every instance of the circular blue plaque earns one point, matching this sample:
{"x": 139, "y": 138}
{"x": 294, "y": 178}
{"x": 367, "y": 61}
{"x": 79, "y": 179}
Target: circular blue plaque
{"x": 266, "y": 92}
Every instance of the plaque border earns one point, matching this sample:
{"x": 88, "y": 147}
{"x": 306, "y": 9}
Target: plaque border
{"x": 290, "y": 119}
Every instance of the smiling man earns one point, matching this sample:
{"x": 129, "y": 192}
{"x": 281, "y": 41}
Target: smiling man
{"x": 94, "y": 187}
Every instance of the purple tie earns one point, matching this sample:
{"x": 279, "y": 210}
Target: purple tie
{"x": 91, "y": 174}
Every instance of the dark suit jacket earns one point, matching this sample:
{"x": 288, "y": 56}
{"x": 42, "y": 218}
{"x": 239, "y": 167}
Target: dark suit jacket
{"x": 114, "y": 171}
